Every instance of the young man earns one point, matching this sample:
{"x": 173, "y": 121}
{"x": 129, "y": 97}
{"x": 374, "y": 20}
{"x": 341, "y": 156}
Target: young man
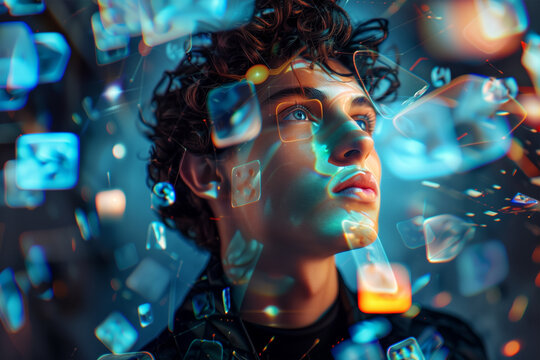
{"x": 269, "y": 202}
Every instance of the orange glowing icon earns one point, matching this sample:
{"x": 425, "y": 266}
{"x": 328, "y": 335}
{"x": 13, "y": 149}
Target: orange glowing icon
{"x": 387, "y": 303}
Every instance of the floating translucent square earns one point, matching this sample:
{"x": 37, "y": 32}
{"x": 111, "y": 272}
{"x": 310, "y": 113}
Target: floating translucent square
{"x": 149, "y": 279}
{"x": 350, "y": 350}
{"x": 405, "y": 350}
{"x": 502, "y": 18}
{"x": 110, "y": 204}
{"x": 384, "y": 302}
{"x": 235, "y": 113}
{"x": 204, "y": 349}
{"x": 155, "y": 238}
{"x": 412, "y": 232}
{"x": 482, "y": 266}
{"x": 430, "y": 342}
{"x": 126, "y": 256}
{"x": 12, "y": 313}
{"x": 370, "y": 330}
{"x": 116, "y": 333}
{"x": 18, "y": 58}
{"x": 445, "y": 237}
{"x": 36, "y": 266}
{"x": 25, "y": 7}
{"x": 163, "y": 195}
{"x": 146, "y": 316}
{"x": 48, "y": 161}
{"x": 120, "y": 16}
{"x": 110, "y": 56}
{"x": 53, "y": 54}
{"x": 107, "y": 40}
{"x": 203, "y": 305}
{"x": 246, "y": 183}
{"x": 15, "y": 197}
{"x": 374, "y": 270}
{"x": 143, "y": 355}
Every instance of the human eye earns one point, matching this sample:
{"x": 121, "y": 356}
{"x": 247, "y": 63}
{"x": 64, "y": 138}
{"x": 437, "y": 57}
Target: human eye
{"x": 366, "y": 122}
{"x": 296, "y": 113}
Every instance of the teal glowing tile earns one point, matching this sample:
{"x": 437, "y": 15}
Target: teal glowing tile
{"x": 446, "y": 236}
{"x": 11, "y": 100}
{"x": 440, "y": 76}
{"x": 18, "y": 58}
{"x": 116, "y": 333}
{"x": 53, "y": 54}
{"x": 156, "y": 238}
{"x": 412, "y": 232}
{"x": 142, "y": 355}
{"x": 226, "y": 298}
{"x": 48, "y": 161}
{"x": 370, "y": 330}
{"x": 36, "y": 266}
{"x": 204, "y": 349}
{"x": 203, "y": 305}
{"x": 407, "y": 349}
{"x": 420, "y": 283}
{"x": 149, "y": 279}
{"x": 235, "y": 113}
{"x": 482, "y": 266}
{"x": 25, "y": 7}
{"x": 246, "y": 184}
{"x": 107, "y": 40}
{"x": 146, "y": 316}
{"x": 126, "y": 256}
{"x": 15, "y": 197}
{"x": 120, "y": 16}
{"x": 163, "y": 195}
{"x": 12, "y": 312}
{"x": 349, "y": 350}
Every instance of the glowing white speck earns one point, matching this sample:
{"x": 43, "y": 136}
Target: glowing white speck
{"x": 113, "y": 92}
{"x": 119, "y": 151}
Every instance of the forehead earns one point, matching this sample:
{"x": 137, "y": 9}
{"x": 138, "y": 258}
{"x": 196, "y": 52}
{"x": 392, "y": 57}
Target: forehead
{"x": 301, "y": 73}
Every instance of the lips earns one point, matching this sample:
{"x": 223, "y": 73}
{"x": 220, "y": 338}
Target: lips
{"x": 358, "y": 183}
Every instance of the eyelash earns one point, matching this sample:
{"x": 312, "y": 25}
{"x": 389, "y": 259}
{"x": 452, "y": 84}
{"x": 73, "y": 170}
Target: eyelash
{"x": 292, "y": 109}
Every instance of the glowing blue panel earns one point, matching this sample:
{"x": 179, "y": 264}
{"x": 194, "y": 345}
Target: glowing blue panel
{"x": 371, "y": 330}
{"x": 235, "y": 113}
{"x": 226, "y": 298}
{"x": 47, "y": 161}
{"x": 446, "y": 236}
{"x": 482, "y": 266}
{"x": 149, "y": 279}
{"x": 25, "y": 7}
{"x": 16, "y": 197}
{"x": 116, "y": 333}
{"x": 203, "y": 305}
{"x": 163, "y": 195}
{"x": 246, "y": 184}
{"x": 110, "y": 56}
{"x": 405, "y": 350}
{"x": 204, "y": 349}
{"x": 146, "y": 316}
{"x": 36, "y": 266}
{"x": 143, "y": 355}
{"x": 420, "y": 283}
{"x": 120, "y": 16}
{"x": 53, "y": 53}
{"x": 18, "y": 58}
{"x": 431, "y": 343}
{"x": 12, "y": 312}
{"x": 412, "y": 232}
{"x": 523, "y": 200}
{"x": 349, "y": 350}
{"x": 107, "y": 40}
{"x": 155, "y": 238}
{"x": 126, "y": 256}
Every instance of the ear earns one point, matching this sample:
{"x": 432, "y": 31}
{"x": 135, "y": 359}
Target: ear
{"x": 200, "y": 174}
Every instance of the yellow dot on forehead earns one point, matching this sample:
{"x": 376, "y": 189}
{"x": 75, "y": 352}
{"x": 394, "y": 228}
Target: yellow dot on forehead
{"x": 257, "y": 74}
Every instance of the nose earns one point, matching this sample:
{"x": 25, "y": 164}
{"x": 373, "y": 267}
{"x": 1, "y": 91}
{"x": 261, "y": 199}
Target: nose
{"x": 350, "y": 144}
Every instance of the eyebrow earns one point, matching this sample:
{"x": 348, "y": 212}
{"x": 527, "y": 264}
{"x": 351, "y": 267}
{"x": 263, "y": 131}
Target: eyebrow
{"x": 307, "y": 92}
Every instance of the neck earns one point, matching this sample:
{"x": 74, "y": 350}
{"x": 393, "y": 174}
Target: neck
{"x": 290, "y": 293}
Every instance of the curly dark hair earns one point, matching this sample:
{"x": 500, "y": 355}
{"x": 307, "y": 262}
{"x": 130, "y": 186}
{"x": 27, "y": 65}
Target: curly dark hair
{"x": 277, "y": 31}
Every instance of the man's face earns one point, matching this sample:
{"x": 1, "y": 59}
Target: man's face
{"x": 318, "y": 167}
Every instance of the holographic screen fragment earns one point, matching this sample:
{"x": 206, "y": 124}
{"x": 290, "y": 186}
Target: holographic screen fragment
{"x": 15, "y": 197}
{"x": 389, "y": 87}
{"x": 18, "y": 65}
{"x": 412, "y": 232}
{"x": 47, "y": 161}
{"x": 120, "y": 16}
{"x": 12, "y": 312}
{"x": 162, "y": 195}
{"x": 446, "y": 236}
{"x": 146, "y": 316}
{"x": 370, "y": 330}
{"x": 36, "y": 267}
{"x": 53, "y": 53}
{"x": 502, "y": 18}
{"x": 407, "y": 349}
{"x": 204, "y": 349}
{"x": 235, "y": 113}
{"x": 116, "y": 333}
{"x": 110, "y": 56}
{"x": 523, "y": 200}
{"x": 203, "y": 305}
{"x": 107, "y": 40}
{"x": 464, "y": 125}
{"x": 431, "y": 342}
{"x": 482, "y": 266}
{"x": 350, "y": 350}
{"x": 246, "y": 184}
{"x": 156, "y": 238}
{"x": 128, "y": 356}
{"x": 24, "y": 7}
{"x": 162, "y": 21}
{"x": 149, "y": 279}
